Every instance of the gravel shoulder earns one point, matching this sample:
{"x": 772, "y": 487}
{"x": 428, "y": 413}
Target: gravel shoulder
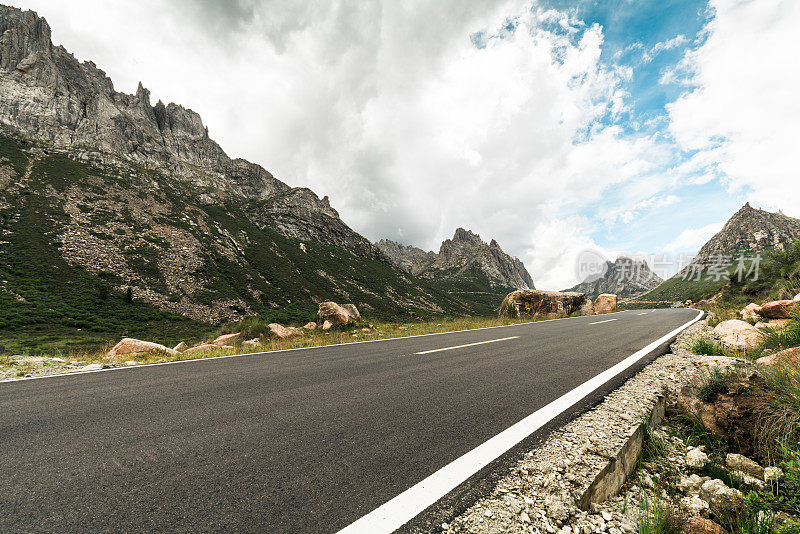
{"x": 541, "y": 493}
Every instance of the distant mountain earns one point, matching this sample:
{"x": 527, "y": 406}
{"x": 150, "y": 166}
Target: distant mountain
{"x": 748, "y": 233}
{"x": 466, "y": 267}
{"x": 104, "y": 194}
{"x": 624, "y": 277}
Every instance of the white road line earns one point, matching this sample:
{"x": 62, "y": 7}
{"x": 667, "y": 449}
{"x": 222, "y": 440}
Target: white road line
{"x": 467, "y": 345}
{"x": 601, "y": 322}
{"x": 400, "y": 510}
{"x": 643, "y": 313}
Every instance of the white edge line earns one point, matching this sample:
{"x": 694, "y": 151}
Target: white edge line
{"x": 194, "y": 360}
{"x": 401, "y": 509}
{"x": 467, "y": 345}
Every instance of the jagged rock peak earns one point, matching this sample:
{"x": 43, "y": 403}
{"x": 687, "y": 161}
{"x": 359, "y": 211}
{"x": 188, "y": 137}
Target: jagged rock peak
{"x": 463, "y": 255}
{"x": 48, "y": 96}
{"x": 624, "y": 277}
{"x": 749, "y": 231}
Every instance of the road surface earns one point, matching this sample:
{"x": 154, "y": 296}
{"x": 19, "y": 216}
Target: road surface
{"x": 295, "y": 441}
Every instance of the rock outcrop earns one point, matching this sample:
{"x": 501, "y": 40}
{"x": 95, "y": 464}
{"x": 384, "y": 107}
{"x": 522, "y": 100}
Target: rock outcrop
{"x": 534, "y": 302}
{"x": 605, "y": 303}
{"x": 624, "y": 277}
{"x": 465, "y": 255}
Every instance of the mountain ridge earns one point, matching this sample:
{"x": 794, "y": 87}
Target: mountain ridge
{"x": 623, "y": 277}
{"x": 464, "y": 251}
{"x": 749, "y": 233}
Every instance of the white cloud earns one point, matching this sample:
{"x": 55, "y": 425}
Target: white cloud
{"x": 390, "y": 109}
{"x": 742, "y": 109}
{"x": 691, "y": 239}
{"x": 675, "y": 42}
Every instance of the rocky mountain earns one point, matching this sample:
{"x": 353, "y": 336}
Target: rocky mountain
{"x": 117, "y": 214}
{"x": 623, "y": 277}
{"x": 749, "y": 233}
{"x": 465, "y": 266}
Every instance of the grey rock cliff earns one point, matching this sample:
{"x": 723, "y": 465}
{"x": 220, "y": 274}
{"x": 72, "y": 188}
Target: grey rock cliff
{"x": 624, "y": 277}
{"x": 47, "y": 95}
{"x": 465, "y": 254}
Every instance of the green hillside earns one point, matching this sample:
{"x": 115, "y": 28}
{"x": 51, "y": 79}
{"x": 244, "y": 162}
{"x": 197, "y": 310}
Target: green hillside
{"x": 135, "y": 224}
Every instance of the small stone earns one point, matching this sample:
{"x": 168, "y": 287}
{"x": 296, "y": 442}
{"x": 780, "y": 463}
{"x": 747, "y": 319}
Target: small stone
{"x": 445, "y": 526}
{"x": 772, "y": 474}
{"x": 606, "y": 515}
{"x": 524, "y": 517}
{"x": 696, "y": 458}
{"x": 737, "y": 462}
{"x": 92, "y": 367}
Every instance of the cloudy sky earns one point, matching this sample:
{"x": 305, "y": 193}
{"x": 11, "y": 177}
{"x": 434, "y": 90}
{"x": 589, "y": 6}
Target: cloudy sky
{"x": 554, "y": 126}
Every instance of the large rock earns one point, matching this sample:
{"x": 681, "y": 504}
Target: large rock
{"x": 737, "y": 335}
{"x": 284, "y": 332}
{"x": 130, "y": 346}
{"x": 773, "y": 324}
{"x": 750, "y": 311}
{"x": 203, "y": 347}
{"x": 605, "y": 303}
{"x": 790, "y": 356}
{"x": 337, "y": 314}
{"x": 778, "y": 309}
{"x": 534, "y": 302}
{"x": 701, "y": 525}
{"x": 226, "y": 339}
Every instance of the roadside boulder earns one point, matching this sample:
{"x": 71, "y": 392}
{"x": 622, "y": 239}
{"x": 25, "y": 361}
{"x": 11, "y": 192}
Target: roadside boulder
{"x": 310, "y": 326}
{"x": 537, "y": 303}
{"x": 750, "y": 311}
{"x": 180, "y": 347}
{"x": 255, "y": 342}
{"x": 737, "y": 335}
{"x": 777, "y": 309}
{"x": 130, "y": 346}
{"x": 327, "y": 325}
{"x": 773, "y": 324}
{"x": 284, "y": 332}
{"x": 203, "y": 347}
{"x": 337, "y": 314}
{"x": 605, "y": 303}
{"x": 226, "y": 339}
{"x": 796, "y": 297}
{"x": 791, "y": 356}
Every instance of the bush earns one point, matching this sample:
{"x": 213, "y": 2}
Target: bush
{"x": 708, "y": 347}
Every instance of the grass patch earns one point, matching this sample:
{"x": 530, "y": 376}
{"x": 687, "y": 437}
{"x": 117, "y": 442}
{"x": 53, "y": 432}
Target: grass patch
{"x": 706, "y": 346}
{"x": 748, "y": 517}
{"x": 658, "y": 517}
{"x": 717, "y": 381}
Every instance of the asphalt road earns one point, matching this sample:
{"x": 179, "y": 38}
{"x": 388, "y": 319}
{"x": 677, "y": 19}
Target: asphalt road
{"x": 297, "y": 441}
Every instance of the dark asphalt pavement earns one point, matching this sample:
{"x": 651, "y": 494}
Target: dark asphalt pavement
{"x": 297, "y": 441}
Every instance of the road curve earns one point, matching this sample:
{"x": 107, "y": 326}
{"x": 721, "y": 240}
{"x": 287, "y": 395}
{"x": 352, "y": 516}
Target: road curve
{"x": 295, "y": 441}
